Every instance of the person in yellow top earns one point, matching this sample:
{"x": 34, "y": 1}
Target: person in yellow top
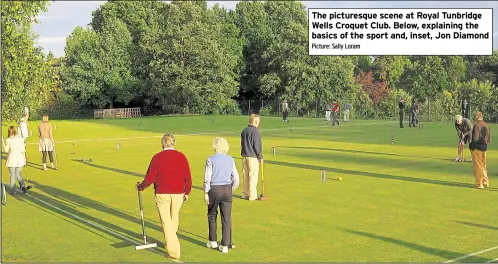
{"x": 47, "y": 143}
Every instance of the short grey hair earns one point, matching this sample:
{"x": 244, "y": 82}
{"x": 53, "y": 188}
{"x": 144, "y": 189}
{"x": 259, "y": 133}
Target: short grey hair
{"x": 168, "y": 141}
{"x": 220, "y": 145}
{"x": 458, "y": 117}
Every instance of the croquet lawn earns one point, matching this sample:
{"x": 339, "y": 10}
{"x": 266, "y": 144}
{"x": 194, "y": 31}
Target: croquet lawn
{"x": 401, "y": 202}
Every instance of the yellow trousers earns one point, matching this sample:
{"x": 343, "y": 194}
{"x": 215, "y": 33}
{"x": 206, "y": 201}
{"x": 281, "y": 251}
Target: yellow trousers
{"x": 250, "y": 169}
{"x": 480, "y": 168}
{"x": 169, "y": 206}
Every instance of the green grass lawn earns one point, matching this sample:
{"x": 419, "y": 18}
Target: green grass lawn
{"x": 406, "y": 202}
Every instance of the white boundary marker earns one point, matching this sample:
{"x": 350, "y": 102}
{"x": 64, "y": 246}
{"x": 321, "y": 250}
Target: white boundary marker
{"x": 207, "y": 133}
{"x": 100, "y": 227}
{"x": 491, "y": 261}
{"x": 473, "y": 254}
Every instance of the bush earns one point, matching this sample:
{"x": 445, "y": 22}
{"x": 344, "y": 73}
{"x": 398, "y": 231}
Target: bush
{"x": 66, "y": 107}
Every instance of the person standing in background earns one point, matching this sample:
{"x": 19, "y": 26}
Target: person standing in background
{"x": 401, "y": 106}
{"x": 22, "y": 128}
{"x": 481, "y": 137}
{"x": 47, "y": 142}
{"x": 412, "y": 119}
{"x": 328, "y": 111}
{"x": 335, "y": 113}
{"x": 465, "y": 109}
{"x": 346, "y": 112}
{"x": 285, "y": 111}
{"x": 252, "y": 157}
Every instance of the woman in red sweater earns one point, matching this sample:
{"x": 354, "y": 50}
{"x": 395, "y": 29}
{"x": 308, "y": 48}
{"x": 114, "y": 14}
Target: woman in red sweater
{"x": 170, "y": 172}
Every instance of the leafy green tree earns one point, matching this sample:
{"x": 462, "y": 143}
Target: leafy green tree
{"x": 99, "y": 65}
{"x": 192, "y": 57}
{"x": 389, "y": 68}
{"x": 24, "y": 80}
{"x": 254, "y": 25}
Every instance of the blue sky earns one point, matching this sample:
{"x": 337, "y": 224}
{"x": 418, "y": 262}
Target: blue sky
{"x": 63, "y": 16}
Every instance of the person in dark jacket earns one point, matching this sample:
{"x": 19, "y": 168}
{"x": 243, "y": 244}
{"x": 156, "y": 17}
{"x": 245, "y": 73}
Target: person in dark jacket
{"x": 413, "y": 114}
{"x": 221, "y": 178}
{"x": 465, "y": 109}
{"x": 481, "y": 137}
{"x": 169, "y": 171}
{"x": 463, "y": 128}
{"x": 401, "y": 106}
{"x": 252, "y": 156}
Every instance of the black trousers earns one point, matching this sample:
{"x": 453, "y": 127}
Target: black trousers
{"x": 220, "y": 196}
{"x": 401, "y": 118}
{"x": 285, "y": 114}
{"x": 50, "y": 156}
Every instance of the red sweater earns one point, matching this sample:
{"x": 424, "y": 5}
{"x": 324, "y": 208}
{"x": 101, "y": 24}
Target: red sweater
{"x": 170, "y": 172}
{"x": 335, "y": 107}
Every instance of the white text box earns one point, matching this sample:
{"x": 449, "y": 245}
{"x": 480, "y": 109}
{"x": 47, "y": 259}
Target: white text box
{"x": 400, "y": 31}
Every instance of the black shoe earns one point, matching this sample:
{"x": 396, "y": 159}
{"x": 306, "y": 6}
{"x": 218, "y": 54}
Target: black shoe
{"x": 24, "y": 190}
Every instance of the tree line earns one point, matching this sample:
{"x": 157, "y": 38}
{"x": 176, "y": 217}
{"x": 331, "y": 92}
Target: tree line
{"x": 183, "y": 57}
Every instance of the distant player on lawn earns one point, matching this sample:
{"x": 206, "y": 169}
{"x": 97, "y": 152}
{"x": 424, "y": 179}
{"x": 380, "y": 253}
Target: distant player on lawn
{"x": 328, "y": 110}
{"x": 346, "y": 112}
{"x": 285, "y": 111}
{"x": 335, "y": 113}
{"x": 463, "y": 127}
{"x": 401, "y": 106}
{"x": 413, "y": 119}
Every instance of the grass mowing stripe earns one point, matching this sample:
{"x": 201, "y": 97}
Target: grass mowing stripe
{"x": 472, "y": 254}
{"x": 99, "y": 226}
{"x": 198, "y": 134}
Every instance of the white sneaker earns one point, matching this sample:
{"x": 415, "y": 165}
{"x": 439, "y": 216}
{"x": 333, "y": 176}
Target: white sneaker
{"x": 52, "y": 165}
{"x": 223, "y": 249}
{"x": 212, "y": 244}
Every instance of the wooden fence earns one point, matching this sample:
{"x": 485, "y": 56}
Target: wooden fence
{"x": 117, "y": 113}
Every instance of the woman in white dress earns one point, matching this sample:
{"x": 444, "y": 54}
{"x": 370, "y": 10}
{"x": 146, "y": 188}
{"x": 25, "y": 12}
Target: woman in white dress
{"x": 15, "y": 146}
{"x": 22, "y": 129}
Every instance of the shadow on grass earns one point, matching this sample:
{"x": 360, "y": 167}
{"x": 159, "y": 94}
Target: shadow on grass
{"x": 77, "y": 201}
{"x": 131, "y": 173}
{"x": 479, "y": 225}
{"x": 428, "y": 250}
{"x": 375, "y": 175}
{"x": 363, "y": 152}
{"x": 109, "y": 168}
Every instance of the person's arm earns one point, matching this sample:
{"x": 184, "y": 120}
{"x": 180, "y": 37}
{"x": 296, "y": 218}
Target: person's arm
{"x": 6, "y": 145}
{"x": 257, "y": 145}
{"x": 150, "y": 176}
{"x": 188, "y": 177}
{"x": 489, "y": 135}
{"x": 476, "y": 133}
{"x": 50, "y": 133}
{"x": 39, "y": 131}
{"x": 468, "y": 132}
{"x": 459, "y": 133}
{"x": 23, "y": 150}
{"x": 208, "y": 174}
{"x": 235, "y": 177}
